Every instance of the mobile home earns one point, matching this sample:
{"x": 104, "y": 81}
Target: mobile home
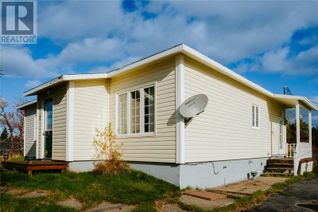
{"x": 241, "y": 128}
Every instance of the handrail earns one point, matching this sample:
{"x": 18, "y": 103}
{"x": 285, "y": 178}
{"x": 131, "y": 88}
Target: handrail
{"x": 291, "y": 150}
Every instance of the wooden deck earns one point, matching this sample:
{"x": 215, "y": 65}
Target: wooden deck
{"x": 35, "y": 165}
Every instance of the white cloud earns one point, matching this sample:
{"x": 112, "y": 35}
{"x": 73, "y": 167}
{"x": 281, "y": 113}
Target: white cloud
{"x": 92, "y": 50}
{"x": 77, "y": 19}
{"x": 280, "y": 61}
{"x": 101, "y": 32}
{"x": 115, "y": 65}
{"x": 235, "y": 30}
{"x": 226, "y": 31}
{"x": 32, "y": 83}
{"x": 19, "y": 62}
{"x": 314, "y": 99}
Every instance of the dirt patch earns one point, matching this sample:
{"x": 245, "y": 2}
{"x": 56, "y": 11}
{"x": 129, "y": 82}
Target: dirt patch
{"x": 71, "y": 203}
{"x": 170, "y": 208}
{"x": 111, "y": 207}
{"x": 12, "y": 191}
{"x": 21, "y": 193}
{"x": 205, "y": 204}
{"x": 205, "y": 195}
{"x": 248, "y": 187}
{"x": 34, "y": 194}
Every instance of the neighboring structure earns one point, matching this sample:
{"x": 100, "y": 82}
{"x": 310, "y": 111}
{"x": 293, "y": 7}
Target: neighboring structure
{"x": 242, "y": 126}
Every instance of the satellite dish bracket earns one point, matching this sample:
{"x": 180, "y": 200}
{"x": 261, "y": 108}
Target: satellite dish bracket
{"x": 187, "y": 121}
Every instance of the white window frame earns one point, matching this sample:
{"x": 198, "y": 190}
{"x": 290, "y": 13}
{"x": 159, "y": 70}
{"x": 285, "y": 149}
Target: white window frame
{"x": 129, "y": 113}
{"x": 141, "y": 115}
{"x": 255, "y": 116}
{"x": 118, "y": 115}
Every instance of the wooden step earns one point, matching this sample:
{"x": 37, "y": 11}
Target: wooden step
{"x": 277, "y": 174}
{"x": 280, "y": 169}
{"x": 279, "y": 165}
{"x": 284, "y": 161}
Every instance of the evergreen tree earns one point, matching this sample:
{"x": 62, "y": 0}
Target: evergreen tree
{"x": 315, "y": 136}
{"x": 4, "y": 134}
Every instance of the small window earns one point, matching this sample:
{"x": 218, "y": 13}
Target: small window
{"x": 122, "y": 114}
{"x": 255, "y": 116}
{"x": 149, "y": 109}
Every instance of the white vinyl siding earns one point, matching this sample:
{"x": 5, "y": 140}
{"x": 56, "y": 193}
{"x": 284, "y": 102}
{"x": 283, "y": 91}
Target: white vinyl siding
{"x": 223, "y": 131}
{"x": 159, "y": 146}
{"x": 59, "y": 122}
{"x": 30, "y": 130}
{"x": 90, "y": 113}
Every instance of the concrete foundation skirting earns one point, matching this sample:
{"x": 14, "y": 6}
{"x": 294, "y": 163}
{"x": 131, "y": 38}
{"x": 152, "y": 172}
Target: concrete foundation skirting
{"x": 81, "y": 166}
{"x": 167, "y": 172}
{"x": 196, "y": 175}
{"x": 219, "y": 173}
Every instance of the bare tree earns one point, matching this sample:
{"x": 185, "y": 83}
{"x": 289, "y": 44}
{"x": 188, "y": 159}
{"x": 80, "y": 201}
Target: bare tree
{"x": 13, "y": 121}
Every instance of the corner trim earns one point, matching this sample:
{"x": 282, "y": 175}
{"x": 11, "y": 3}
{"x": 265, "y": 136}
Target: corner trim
{"x": 179, "y": 119}
{"x": 70, "y": 122}
{"x": 24, "y": 132}
{"x": 310, "y": 126}
{"x": 38, "y": 139}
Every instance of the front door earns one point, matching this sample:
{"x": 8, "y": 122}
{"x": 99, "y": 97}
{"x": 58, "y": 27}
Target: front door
{"x": 281, "y": 137}
{"x": 278, "y": 136}
{"x": 48, "y": 122}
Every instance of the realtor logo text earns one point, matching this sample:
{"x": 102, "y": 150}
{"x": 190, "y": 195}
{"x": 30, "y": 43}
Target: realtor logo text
{"x": 18, "y": 22}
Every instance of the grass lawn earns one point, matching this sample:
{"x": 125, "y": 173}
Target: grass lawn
{"x": 134, "y": 188}
{"x": 90, "y": 188}
{"x": 9, "y": 203}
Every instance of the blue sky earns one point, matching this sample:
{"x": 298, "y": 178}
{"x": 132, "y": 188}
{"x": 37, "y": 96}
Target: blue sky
{"x": 273, "y": 43}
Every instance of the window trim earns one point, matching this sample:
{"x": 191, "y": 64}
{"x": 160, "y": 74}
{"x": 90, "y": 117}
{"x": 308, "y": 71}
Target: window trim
{"x": 128, "y": 91}
{"x": 255, "y": 118}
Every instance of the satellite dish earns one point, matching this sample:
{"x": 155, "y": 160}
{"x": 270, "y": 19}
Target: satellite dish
{"x": 193, "y": 106}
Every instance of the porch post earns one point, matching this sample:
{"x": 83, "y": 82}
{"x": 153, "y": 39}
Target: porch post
{"x": 296, "y": 160}
{"x": 310, "y": 126}
{"x": 297, "y": 126}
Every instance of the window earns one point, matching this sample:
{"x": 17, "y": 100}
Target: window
{"x": 48, "y": 108}
{"x": 138, "y": 116}
{"x": 255, "y": 118}
{"x": 149, "y": 109}
{"x": 122, "y": 114}
{"x": 135, "y": 112}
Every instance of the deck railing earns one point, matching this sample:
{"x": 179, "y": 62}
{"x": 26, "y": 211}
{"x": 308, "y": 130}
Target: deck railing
{"x": 291, "y": 149}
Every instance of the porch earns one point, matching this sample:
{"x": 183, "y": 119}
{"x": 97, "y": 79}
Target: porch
{"x": 29, "y": 166}
{"x": 295, "y": 142}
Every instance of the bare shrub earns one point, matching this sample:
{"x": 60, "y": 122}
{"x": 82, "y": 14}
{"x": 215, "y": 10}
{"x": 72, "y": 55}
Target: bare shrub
{"x": 109, "y": 151}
